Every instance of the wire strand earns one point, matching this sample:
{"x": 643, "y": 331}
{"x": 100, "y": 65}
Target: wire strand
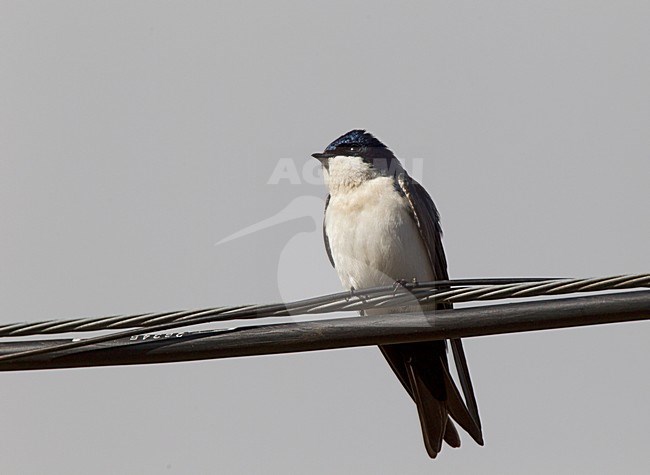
{"x": 386, "y": 297}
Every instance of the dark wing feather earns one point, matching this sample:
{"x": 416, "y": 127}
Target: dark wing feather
{"x": 325, "y": 238}
{"x": 427, "y": 220}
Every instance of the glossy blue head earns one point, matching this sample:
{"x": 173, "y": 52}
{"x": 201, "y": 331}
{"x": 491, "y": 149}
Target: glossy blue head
{"x": 355, "y": 138}
{"x": 358, "y": 143}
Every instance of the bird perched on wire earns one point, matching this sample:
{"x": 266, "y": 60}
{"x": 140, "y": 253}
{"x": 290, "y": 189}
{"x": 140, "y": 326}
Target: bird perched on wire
{"x": 381, "y": 227}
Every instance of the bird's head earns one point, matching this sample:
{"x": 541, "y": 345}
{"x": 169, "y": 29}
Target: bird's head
{"x": 357, "y": 156}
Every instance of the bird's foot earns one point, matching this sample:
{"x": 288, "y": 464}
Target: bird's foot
{"x": 404, "y": 284}
{"x": 350, "y": 295}
{"x": 399, "y": 284}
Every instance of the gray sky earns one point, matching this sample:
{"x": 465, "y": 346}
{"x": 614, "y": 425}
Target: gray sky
{"x": 135, "y": 135}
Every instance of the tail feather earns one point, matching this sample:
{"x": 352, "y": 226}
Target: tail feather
{"x": 451, "y": 435}
{"x": 459, "y": 411}
{"x": 431, "y": 411}
{"x": 465, "y": 380}
{"x": 422, "y": 369}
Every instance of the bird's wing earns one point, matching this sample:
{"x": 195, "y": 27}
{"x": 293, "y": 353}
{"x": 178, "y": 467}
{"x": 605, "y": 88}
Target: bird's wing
{"x": 427, "y": 219}
{"x": 325, "y": 238}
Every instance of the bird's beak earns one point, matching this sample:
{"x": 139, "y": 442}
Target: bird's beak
{"x": 321, "y": 157}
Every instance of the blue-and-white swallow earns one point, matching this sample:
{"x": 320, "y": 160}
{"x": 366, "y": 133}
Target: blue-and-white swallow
{"x": 382, "y": 227}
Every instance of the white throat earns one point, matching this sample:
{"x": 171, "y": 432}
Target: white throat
{"x": 345, "y": 173}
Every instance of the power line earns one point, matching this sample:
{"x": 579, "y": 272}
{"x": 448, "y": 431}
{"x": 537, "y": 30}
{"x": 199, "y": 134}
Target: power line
{"x": 387, "y": 298}
{"x": 447, "y": 291}
{"x": 335, "y": 333}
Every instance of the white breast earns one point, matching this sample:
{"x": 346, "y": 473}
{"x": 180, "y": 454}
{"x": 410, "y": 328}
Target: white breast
{"x": 373, "y": 238}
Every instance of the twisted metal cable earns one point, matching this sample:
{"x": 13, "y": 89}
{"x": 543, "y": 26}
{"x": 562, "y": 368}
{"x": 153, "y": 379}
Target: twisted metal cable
{"x": 379, "y": 297}
{"x": 448, "y": 291}
{"x": 323, "y": 334}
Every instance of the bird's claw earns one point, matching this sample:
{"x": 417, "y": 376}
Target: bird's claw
{"x": 400, "y": 283}
{"x": 404, "y": 284}
{"x": 350, "y": 295}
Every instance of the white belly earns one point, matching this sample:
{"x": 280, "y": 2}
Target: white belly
{"x": 373, "y": 239}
